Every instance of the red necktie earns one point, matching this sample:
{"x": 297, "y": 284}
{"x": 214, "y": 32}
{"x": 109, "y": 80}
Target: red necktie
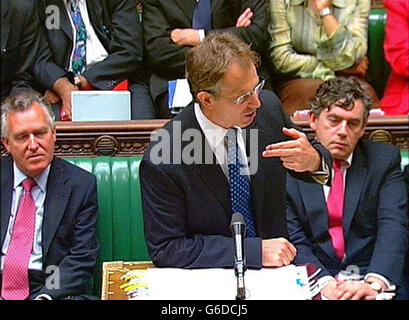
{"x": 15, "y": 284}
{"x": 335, "y": 206}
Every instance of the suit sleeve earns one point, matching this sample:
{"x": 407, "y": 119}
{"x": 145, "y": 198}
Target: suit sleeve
{"x": 296, "y": 231}
{"x": 124, "y": 58}
{"x": 392, "y": 223}
{"x": 28, "y": 51}
{"x": 324, "y": 154}
{"x": 76, "y": 269}
{"x": 165, "y": 222}
{"x": 255, "y": 34}
{"x": 164, "y": 56}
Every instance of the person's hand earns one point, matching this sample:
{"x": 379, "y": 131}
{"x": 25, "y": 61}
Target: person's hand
{"x": 352, "y": 290}
{"x": 319, "y": 5}
{"x": 329, "y": 288}
{"x": 245, "y": 18}
{"x": 277, "y": 252}
{"x": 52, "y": 97}
{"x": 64, "y": 88}
{"x": 185, "y": 37}
{"x": 297, "y": 154}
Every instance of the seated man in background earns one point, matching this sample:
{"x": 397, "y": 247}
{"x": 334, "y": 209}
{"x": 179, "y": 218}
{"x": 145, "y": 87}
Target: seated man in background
{"x": 358, "y": 228}
{"x": 191, "y": 182}
{"x": 20, "y": 39}
{"x": 313, "y": 41}
{"x": 48, "y": 244}
{"x": 95, "y": 45}
{"x": 396, "y": 46}
{"x": 173, "y": 27}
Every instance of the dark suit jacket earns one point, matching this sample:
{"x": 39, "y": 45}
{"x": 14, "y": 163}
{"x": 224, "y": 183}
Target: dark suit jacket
{"x": 69, "y": 225}
{"x": 186, "y": 207}
{"x": 118, "y": 28}
{"x": 160, "y": 17}
{"x": 19, "y": 45}
{"x": 375, "y": 217}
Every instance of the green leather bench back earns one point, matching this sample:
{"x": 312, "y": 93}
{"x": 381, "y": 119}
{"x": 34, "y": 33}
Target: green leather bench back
{"x": 120, "y": 225}
{"x": 379, "y": 69}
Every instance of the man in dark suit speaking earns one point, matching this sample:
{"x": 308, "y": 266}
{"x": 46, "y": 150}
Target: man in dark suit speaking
{"x": 190, "y": 186}
{"x": 358, "y": 228}
{"x": 48, "y": 209}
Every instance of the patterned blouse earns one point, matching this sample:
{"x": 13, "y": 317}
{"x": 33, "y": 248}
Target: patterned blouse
{"x": 300, "y": 47}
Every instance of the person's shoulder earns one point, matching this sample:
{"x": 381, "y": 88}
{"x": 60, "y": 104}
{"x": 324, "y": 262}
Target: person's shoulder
{"x": 74, "y": 172}
{"x": 271, "y": 108}
{"x": 379, "y": 153}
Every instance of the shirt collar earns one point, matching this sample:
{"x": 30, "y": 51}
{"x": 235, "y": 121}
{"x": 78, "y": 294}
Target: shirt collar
{"x": 41, "y": 179}
{"x": 213, "y": 133}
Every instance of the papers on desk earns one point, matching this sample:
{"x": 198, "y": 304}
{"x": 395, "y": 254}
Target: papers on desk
{"x": 285, "y": 283}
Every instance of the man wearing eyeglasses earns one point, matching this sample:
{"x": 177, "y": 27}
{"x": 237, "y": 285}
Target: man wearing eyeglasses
{"x": 190, "y": 188}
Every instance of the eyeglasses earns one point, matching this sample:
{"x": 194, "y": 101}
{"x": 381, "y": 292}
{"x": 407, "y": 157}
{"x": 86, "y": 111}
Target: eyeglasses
{"x": 248, "y": 94}
{"x": 245, "y": 96}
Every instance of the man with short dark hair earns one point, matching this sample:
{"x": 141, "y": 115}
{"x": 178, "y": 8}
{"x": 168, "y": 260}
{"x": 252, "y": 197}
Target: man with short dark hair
{"x": 358, "y": 228}
{"x": 48, "y": 209}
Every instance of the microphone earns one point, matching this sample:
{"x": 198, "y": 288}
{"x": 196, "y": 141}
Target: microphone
{"x": 238, "y": 229}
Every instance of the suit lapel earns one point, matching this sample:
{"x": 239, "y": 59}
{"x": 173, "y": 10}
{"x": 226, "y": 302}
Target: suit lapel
{"x": 353, "y": 185}
{"x": 7, "y": 178}
{"x": 315, "y": 207}
{"x": 188, "y": 7}
{"x": 65, "y": 23}
{"x": 58, "y": 192}
{"x": 211, "y": 174}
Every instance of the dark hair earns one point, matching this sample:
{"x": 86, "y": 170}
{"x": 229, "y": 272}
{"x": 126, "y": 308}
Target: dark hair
{"x": 346, "y": 89}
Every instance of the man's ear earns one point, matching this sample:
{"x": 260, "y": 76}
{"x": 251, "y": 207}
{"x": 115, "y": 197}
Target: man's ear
{"x": 313, "y": 120}
{"x": 206, "y": 99}
{"x": 6, "y": 143}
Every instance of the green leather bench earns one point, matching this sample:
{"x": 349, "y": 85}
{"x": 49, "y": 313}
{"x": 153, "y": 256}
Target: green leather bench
{"x": 120, "y": 228}
{"x": 379, "y": 69}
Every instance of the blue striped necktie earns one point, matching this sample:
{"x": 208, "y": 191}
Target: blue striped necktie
{"x": 240, "y": 191}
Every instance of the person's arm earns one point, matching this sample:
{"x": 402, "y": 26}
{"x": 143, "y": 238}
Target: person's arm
{"x": 391, "y": 222}
{"x": 284, "y": 58}
{"x": 164, "y": 55}
{"x": 28, "y": 49}
{"x": 75, "y": 269}
{"x": 166, "y": 210}
{"x": 124, "y": 58}
{"x": 346, "y": 42}
{"x": 396, "y": 43}
{"x": 255, "y": 32}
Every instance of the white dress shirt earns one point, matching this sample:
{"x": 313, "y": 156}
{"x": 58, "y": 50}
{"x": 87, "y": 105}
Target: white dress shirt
{"x": 215, "y": 137}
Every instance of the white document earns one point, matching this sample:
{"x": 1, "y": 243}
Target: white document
{"x": 179, "y": 94}
{"x": 285, "y": 283}
{"x": 100, "y": 105}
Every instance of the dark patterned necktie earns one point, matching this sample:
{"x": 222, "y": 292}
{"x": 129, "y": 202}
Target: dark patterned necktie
{"x": 79, "y": 59}
{"x": 202, "y": 16}
{"x": 240, "y": 191}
